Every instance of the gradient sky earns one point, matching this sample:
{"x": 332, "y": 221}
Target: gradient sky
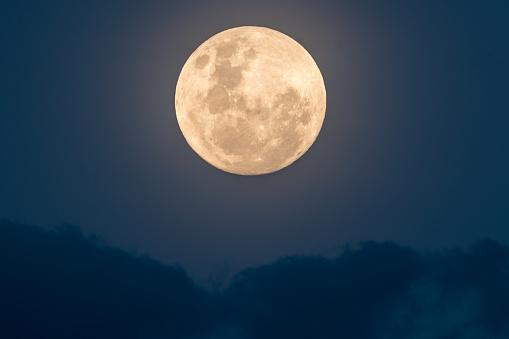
{"x": 413, "y": 148}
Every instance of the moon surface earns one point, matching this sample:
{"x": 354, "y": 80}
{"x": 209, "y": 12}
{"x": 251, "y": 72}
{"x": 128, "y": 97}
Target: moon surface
{"x": 250, "y": 100}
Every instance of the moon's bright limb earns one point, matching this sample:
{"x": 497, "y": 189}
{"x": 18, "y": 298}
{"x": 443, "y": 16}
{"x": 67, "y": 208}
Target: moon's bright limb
{"x": 250, "y": 100}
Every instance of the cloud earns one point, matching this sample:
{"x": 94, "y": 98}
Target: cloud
{"x": 61, "y": 284}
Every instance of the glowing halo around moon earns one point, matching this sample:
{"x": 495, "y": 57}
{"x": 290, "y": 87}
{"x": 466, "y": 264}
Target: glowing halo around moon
{"x": 250, "y": 100}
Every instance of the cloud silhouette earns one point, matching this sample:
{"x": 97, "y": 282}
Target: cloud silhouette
{"x": 59, "y": 283}
{"x": 379, "y": 290}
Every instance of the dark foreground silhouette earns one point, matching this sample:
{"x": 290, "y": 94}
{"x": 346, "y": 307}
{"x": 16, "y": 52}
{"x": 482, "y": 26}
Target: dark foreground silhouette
{"x": 61, "y": 284}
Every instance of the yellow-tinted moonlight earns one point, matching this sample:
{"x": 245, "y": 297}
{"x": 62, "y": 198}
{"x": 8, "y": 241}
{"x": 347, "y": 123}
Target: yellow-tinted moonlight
{"x": 250, "y": 100}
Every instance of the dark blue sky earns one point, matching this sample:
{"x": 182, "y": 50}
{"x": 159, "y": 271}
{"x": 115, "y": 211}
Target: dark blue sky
{"x": 413, "y": 148}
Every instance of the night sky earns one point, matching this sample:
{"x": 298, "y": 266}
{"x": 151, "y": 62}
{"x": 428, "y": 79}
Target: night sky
{"x": 412, "y": 159}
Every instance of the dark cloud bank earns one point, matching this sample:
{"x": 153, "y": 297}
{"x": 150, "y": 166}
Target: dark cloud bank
{"x": 62, "y": 284}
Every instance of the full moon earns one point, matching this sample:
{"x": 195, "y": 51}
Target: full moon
{"x": 250, "y": 100}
